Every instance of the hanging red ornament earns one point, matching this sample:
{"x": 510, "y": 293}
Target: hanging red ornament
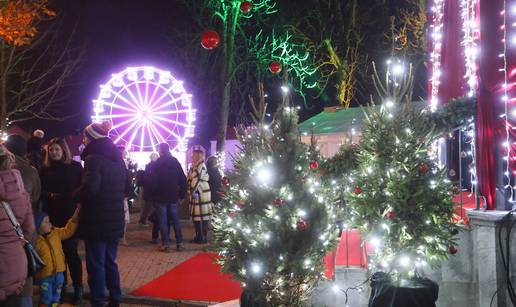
{"x": 275, "y": 67}
{"x": 302, "y": 225}
{"x": 452, "y": 249}
{"x": 278, "y": 202}
{"x": 225, "y": 181}
{"x": 246, "y": 7}
{"x": 210, "y": 39}
{"x": 240, "y": 203}
{"x": 314, "y": 165}
{"x": 423, "y": 168}
{"x": 232, "y": 214}
{"x": 390, "y": 215}
{"x": 357, "y": 190}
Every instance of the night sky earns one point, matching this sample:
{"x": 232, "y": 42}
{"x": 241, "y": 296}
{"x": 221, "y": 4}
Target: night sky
{"x": 116, "y": 34}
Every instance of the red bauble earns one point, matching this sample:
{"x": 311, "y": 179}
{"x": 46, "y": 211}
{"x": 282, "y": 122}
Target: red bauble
{"x": 275, "y": 67}
{"x": 240, "y": 203}
{"x": 232, "y": 214}
{"x": 225, "y": 180}
{"x": 390, "y": 215}
{"x": 357, "y": 190}
{"x": 452, "y": 249}
{"x": 314, "y": 165}
{"x": 423, "y": 168}
{"x": 278, "y": 202}
{"x": 246, "y": 7}
{"x": 302, "y": 225}
{"x": 210, "y": 39}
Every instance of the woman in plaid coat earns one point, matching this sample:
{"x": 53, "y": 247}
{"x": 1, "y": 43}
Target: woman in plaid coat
{"x": 200, "y": 196}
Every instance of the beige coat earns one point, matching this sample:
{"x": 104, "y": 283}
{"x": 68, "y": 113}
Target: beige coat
{"x": 201, "y": 206}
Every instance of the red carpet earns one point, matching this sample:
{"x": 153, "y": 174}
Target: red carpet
{"x": 197, "y": 279}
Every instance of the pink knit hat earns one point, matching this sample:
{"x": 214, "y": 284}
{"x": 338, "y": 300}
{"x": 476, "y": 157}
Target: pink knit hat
{"x": 98, "y": 130}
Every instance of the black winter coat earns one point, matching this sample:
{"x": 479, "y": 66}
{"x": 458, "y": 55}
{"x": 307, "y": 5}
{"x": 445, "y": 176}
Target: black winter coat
{"x": 104, "y": 184}
{"x": 215, "y": 184}
{"x": 60, "y": 180}
{"x": 167, "y": 181}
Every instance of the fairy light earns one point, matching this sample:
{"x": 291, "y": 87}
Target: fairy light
{"x": 506, "y": 99}
{"x": 437, "y": 9}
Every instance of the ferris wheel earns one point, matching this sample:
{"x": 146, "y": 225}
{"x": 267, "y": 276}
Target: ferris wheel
{"x": 147, "y": 106}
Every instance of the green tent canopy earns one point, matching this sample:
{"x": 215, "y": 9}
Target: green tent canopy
{"x": 334, "y": 120}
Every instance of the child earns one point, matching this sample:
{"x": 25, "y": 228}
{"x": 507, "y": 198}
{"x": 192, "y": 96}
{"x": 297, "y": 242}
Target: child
{"x": 48, "y": 246}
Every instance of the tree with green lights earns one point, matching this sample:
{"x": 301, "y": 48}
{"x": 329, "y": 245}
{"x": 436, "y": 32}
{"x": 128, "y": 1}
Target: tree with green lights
{"x": 398, "y": 195}
{"x": 277, "y": 219}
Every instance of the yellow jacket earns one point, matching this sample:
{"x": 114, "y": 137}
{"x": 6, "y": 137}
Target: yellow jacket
{"x": 50, "y": 249}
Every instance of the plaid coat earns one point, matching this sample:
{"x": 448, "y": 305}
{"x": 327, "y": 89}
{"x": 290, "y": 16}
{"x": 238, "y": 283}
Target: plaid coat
{"x": 200, "y": 195}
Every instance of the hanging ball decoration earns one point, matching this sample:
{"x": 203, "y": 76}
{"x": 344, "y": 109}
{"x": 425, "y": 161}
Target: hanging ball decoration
{"x": 452, "y": 249}
{"x": 357, "y": 191}
{"x": 314, "y": 165}
{"x": 210, "y": 39}
{"x": 246, "y": 7}
{"x": 302, "y": 225}
{"x": 423, "y": 168}
{"x": 225, "y": 181}
{"x": 452, "y": 172}
{"x": 240, "y": 204}
{"x": 232, "y": 214}
{"x": 275, "y": 67}
{"x": 390, "y": 215}
{"x": 278, "y": 202}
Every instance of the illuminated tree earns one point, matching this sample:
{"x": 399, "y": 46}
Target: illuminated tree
{"x": 278, "y": 218}
{"x": 32, "y": 75}
{"x": 18, "y": 19}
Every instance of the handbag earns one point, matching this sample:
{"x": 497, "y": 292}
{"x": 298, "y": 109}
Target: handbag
{"x": 34, "y": 261}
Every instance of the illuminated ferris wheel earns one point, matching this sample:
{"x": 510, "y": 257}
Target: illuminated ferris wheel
{"x": 147, "y": 106}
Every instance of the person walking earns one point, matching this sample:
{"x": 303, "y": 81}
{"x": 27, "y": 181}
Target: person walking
{"x": 167, "y": 185}
{"x": 148, "y": 207}
{"x": 60, "y": 177}
{"x": 200, "y": 196}
{"x": 101, "y": 220}
{"x": 13, "y": 271}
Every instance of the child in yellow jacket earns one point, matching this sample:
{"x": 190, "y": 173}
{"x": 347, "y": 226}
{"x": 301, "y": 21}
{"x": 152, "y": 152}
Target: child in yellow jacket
{"x": 48, "y": 246}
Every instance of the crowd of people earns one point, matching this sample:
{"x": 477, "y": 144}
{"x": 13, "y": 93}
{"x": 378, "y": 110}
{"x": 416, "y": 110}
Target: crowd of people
{"x": 57, "y": 201}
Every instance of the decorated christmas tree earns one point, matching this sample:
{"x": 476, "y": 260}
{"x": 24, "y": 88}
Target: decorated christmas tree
{"x": 398, "y": 195}
{"x": 277, "y": 220}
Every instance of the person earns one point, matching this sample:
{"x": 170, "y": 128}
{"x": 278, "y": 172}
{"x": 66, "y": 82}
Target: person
{"x": 166, "y": 187}
{"x": 128, "y": 193}
{"x": 15, "y": 286}
{"x": 60, "y": 177}
{"x": 17, "y": 145}
{"x": 35, "y": 150}
{"x": 215, "y": 180}
{"x": 147, "y": 203}
{"x": 200, "y": 196}
{"x": 48, "y": 245}
{"x": 101, "y": 222}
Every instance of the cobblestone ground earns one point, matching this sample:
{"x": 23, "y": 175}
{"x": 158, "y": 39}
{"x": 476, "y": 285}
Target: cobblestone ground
{"x": 140, "y": 262}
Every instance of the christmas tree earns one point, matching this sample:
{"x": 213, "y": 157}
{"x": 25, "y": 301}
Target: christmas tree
{"x": 278, "y": 220}
{"x": 398, "y": 195}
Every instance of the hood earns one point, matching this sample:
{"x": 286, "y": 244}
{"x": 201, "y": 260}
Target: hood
{"x": 11, "y": 185}
{"x": 102, "y": 147}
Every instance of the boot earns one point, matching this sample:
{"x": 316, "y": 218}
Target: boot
{"x": 204, "y": 232}
{"x": 197, "y": 238}
{"x": 78, "y": 292}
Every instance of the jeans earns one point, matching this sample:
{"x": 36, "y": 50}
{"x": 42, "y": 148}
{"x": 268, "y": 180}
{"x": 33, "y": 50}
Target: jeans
{"x": 50, "y": 289}
{"x": 102, "y": 271}
{"x": 73, "y": 260}
{"x": 166, "y": 213}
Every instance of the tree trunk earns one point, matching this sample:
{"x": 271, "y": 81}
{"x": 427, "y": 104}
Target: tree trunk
{"x": 227, "y": 73}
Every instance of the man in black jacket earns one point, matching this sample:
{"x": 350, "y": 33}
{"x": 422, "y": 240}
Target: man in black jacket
{"x": 101, "y": 221}
{"x": 167, "y": 185}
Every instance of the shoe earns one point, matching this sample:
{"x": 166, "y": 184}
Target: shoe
{"x": 154, "y": 241}
{"x": 124, "y": 243}
{"x": 202, "y": 241}
{"x": 78, "y": 293}
{"x": 164, "y": 248}
{"x": 180, "y": 248}
{"x": 194, "y": 240}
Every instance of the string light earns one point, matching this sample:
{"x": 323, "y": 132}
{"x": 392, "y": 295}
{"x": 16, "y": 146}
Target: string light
{"x": 437, "y": 9}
